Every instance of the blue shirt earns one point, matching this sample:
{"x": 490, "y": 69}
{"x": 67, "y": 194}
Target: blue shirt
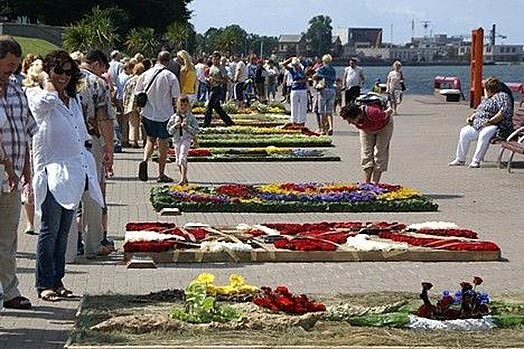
{"x": 328, "y": 73}
{"x": 297, "y": 75}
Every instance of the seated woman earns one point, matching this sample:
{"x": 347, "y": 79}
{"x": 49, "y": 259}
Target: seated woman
{"x": 493, "y": 116}
{"x": 376, "y": 128}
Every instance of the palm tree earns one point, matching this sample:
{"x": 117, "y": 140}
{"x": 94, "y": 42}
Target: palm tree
{"x": 142, "y": 40}
{"x": 94, "y": 31}
{"x": 178, "y": 33}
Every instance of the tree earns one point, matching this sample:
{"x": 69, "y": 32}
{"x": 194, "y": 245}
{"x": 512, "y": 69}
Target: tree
{"x": 231, "y": 40}
{"x": 180, "y": 34}
{"x": 94, "y": 31}
{"x": 319, "y": 34}
{"x": 157, "y": 14}
{"x": 144, "y": 41}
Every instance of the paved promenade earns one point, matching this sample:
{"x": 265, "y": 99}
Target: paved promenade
{"x": 488, "y": 200}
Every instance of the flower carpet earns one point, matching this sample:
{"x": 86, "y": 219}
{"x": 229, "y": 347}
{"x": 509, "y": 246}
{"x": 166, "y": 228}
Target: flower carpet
{"x": 294, "y": 139}
{"x": 291, "y": 197}
{"x": 254, "y": 154}
{"x": 306, "y": 242}
{"x": 208, "y": 312}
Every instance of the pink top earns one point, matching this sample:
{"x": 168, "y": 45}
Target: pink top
{"x": 374, "y": 119}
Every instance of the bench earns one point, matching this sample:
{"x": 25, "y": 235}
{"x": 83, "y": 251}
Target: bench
{"x": 515, "y": 142}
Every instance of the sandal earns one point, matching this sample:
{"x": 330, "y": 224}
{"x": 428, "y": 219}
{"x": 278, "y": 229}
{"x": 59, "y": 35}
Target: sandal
{"x": 49, "y": 295}
{"x": 65, "y": 293}
{"x": 18, "y": 303}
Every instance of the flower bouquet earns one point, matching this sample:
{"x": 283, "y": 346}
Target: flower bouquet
{"x": 467, "y": 303}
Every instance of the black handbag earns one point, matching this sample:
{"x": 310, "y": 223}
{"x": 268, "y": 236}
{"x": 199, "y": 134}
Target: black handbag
{"x": 141, "y": 98}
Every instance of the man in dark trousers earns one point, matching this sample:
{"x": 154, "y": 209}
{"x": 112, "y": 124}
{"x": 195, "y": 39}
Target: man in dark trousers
{"x": 216, "y": 81}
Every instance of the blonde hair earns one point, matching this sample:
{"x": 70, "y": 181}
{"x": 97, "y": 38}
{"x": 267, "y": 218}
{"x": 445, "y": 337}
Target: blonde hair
{"x": 77, "y": 56}
{"x": 188, "y": 62}
{"x": 326, "y": 59}
{"x": 397, "y": 64}
{"x": 33, "y": 74}
{"x": 138, "y": 69}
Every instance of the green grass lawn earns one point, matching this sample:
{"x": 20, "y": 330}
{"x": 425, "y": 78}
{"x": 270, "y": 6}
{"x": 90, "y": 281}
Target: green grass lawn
{"x": 35, "y": 46}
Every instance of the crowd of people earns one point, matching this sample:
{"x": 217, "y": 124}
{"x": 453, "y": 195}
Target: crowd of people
{"x": 63, "y": 116}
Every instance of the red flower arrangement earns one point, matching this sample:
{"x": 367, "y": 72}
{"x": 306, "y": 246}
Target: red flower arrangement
{"x": 464, "y": 233}
{"x": 149, "y": 226}
{"x": 282, "y": 300}
{"x": 149, "y": 246}
{"x": 235, "y": 190}
{"x": 199, "y": 152}
{"x": 305, "y": 244}
{"x": 466, "y": 304}
{"x": 446, "y": 244}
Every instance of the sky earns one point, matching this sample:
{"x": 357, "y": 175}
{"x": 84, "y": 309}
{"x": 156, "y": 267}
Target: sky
{"x": 452, "y": 17}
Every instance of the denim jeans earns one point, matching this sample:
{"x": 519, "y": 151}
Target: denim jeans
{"x": 202, "y": 92}
{"x": 52, "y": 242}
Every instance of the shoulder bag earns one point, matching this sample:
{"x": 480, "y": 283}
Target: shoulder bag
{"x": 141, "y": 98}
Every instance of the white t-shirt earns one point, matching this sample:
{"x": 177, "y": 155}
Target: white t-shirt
{"x": 200, "y": 68}
{"x": 160, "y": 96}
{"x": 241, "y": 70}
{"x": 354, "y": 76}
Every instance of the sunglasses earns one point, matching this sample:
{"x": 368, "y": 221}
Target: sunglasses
{"x": 58, "y": 70}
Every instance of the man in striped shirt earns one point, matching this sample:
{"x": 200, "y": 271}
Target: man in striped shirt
{"x": 16, "y": 127}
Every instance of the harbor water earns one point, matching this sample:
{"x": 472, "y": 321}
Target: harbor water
{"x": 419, "y": 79}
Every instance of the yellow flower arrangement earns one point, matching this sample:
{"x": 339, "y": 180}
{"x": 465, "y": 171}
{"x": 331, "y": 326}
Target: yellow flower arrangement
{"x": 402, "y": 193}
{"x": 198, "y": 110}
{"x": 276, "y": 150}
{"x": 237, "y": 285}
{"x": 206, "y": 279}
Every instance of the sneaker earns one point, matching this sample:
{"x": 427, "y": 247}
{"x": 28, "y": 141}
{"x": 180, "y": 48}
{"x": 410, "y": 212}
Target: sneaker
{"x": 456, "y": 162}
{"x": 474, "y": 164}
{"x": 142, "y": 171}
{"x": 108, "y": 243}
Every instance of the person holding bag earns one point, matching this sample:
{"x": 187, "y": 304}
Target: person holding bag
{"x": 160, "y": 87}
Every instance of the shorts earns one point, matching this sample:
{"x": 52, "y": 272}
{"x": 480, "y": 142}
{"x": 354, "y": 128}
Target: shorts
{"x": 326, "y": 101}
{"x": 155, "y": 129}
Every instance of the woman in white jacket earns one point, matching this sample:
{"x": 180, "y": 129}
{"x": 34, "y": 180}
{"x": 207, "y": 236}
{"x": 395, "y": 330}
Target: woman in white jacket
{"x": 63, "y": 168}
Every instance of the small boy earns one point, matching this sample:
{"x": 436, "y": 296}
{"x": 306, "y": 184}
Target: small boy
{"x": 183, "y": 126}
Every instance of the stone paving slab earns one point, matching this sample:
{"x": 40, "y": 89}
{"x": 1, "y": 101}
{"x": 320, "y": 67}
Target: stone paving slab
{"x": 488, "y": 200}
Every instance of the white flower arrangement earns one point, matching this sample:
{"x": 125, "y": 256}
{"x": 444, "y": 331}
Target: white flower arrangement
{"x": 222, "y": 246}
{"x": 362, "y": 242}
{"x": 420, "y": 323}
{"x": 144, "y": 235}
{"x": 433, "y": 225}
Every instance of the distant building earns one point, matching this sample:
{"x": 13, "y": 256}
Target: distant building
{"x": 503, "y": 53}
{"x": 495, "y": 53}
{"x": 292, "y": 45}
{"x": 360, "y": 37}
{"x": 336, "y": 46}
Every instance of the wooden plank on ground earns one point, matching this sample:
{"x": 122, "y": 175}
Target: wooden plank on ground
{"x": 268, "y": 255}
